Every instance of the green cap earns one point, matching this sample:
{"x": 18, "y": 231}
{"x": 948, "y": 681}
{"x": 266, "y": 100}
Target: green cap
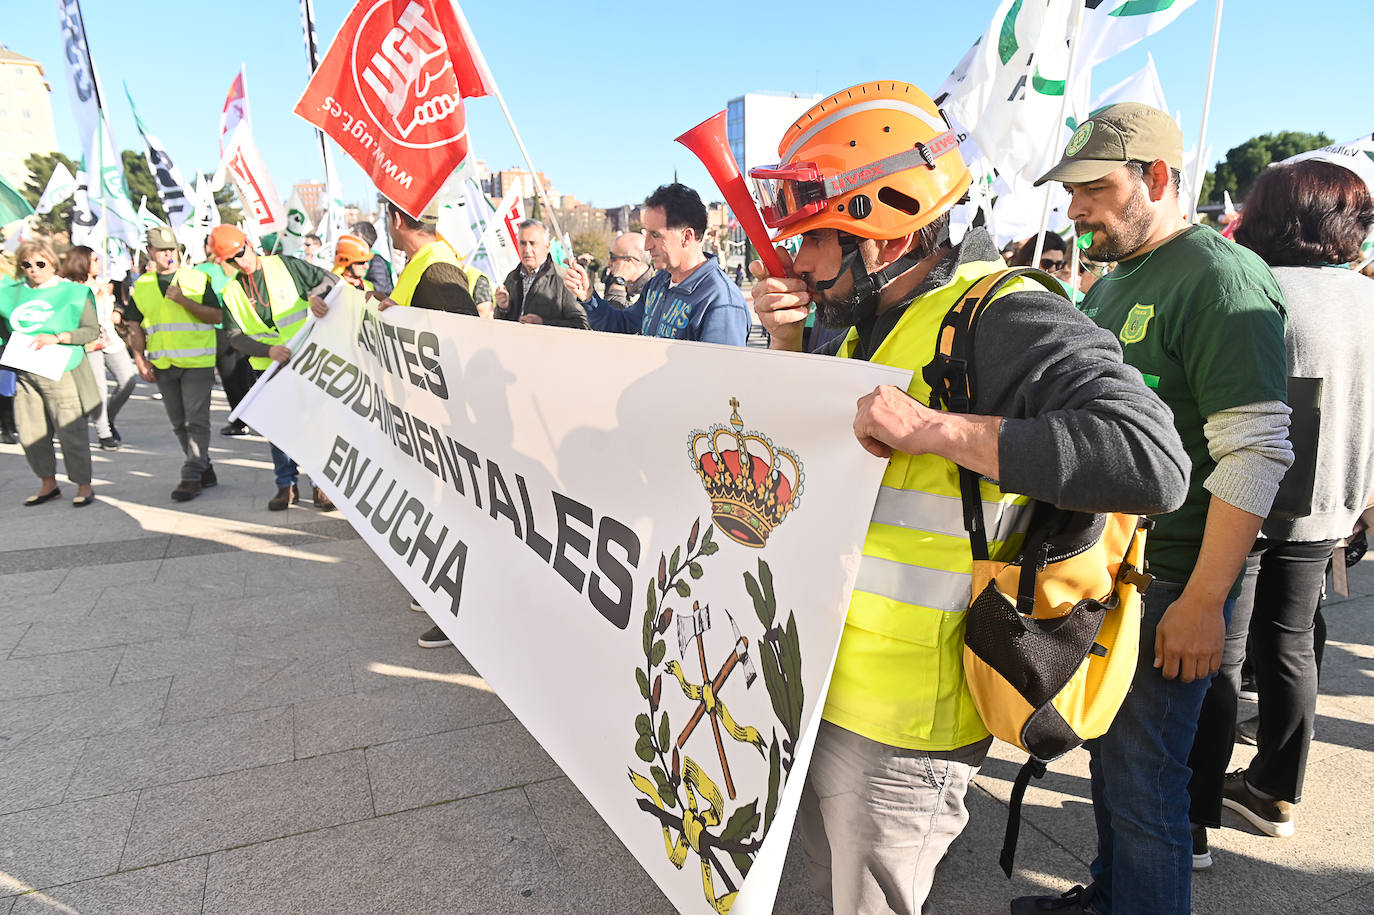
{"x": 1129, "y": 132}
{"x": 160, "y": 238}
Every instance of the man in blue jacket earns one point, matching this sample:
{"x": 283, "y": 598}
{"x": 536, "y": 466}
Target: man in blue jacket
{"x": 690, "y": 298}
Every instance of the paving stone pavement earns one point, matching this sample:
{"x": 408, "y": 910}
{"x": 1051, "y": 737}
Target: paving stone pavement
{"x": 210, "y": 708}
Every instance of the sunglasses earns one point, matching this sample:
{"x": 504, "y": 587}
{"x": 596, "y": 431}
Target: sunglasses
{"x": 39, "y": 264}
{"x": 1048, "y": 263}
{"x": 236, "y": 255}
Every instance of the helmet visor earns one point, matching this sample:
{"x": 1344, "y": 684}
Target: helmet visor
{"x": 788, "y": 193}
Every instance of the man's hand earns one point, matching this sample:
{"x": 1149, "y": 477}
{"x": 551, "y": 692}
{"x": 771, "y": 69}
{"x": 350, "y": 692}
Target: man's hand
{"x": 486, "y": 310}
{"x": 890, "y": 420}
{"x": 280, "y": 353}
{"x": 383, "y": 301}
{"x": 531, "y": 319}
{"x": 782, "y": 304}
{"x": 577, "y": 281}
{"x": 318, "y": 307}
{"x": 175, "y": 294}
{"x": 1189, "y": 639}
{"x": 501, "y": 298}
{"x": 145, "y": 368}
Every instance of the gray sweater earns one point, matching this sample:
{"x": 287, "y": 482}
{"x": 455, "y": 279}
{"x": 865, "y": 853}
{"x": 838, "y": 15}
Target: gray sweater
{"x": 1331, "y": 336}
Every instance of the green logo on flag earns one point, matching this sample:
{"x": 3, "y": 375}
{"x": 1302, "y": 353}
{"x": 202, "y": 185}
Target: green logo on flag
{"x": 1079, "y": 139}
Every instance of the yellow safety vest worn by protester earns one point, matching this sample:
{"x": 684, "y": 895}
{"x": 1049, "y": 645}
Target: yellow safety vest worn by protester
{"x": 288, "y": 309}
{"x": 438, "y": 251}
{"x": 175, "y": 337}
{"x": 899, "y": 673}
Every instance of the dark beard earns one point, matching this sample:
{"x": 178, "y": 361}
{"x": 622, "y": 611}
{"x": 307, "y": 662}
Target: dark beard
{"x": 1135, "y": 229}
{"x": 836, "y": 315}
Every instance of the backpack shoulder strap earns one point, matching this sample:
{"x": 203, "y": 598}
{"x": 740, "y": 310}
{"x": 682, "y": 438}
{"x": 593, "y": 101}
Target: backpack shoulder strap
{"x": 952, "y": 385}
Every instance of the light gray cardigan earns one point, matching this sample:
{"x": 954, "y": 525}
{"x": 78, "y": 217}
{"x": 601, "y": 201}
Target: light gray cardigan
{"x": 1331, "y": 336}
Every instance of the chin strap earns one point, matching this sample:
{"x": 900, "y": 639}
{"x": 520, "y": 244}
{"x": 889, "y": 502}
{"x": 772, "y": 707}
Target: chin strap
{"x": 867, "y": 286}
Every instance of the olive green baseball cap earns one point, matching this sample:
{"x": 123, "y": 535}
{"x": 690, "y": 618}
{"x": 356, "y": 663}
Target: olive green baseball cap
{"x": 160, "y": 238}
{"x": 1128, "y": 132}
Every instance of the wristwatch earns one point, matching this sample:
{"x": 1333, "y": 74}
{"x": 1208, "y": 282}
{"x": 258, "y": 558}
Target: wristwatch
{"x": 617, "y": 280}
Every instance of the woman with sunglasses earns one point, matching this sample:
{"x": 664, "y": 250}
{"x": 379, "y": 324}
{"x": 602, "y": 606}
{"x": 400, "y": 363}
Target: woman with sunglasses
{"x": 107, "y": 353}
{"x": 54, "y": 312}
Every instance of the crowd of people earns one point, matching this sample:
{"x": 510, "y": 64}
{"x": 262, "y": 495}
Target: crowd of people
{"x": 1170, "y": 378}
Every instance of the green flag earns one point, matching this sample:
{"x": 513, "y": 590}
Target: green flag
{"x": 12, "y": 205}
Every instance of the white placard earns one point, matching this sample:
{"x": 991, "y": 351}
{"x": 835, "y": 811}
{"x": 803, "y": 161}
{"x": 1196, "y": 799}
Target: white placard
{"x": 20, "y": 353}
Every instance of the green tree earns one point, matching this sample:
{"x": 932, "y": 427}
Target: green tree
{"x": 227, "y": 200}
{"x": 41, "y": 166}
{"x": 140, "y": 182}
{"x": 1244, "y": 163}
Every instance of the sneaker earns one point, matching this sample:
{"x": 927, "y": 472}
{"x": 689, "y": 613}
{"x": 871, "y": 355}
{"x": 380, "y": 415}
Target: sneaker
{"x": 186, "y": 491}
{"x": 208, "y": 478}
{"x": 322, "y": 501}
{"x": 1247, "y": 731}
{"x": 415, "y": 605}
{"x": 434, "y": 638}
{"x": 1249, "y": 692}
{"x": 1271, "y": 817}
{"x": 114, "y": 433}
{"x": 286, "y": 496}
{"x": 234, "y": 429}
{"x": 1078, "y": 899}
{"x": 1202, "y": 855}
{"x": 109, "y": 443}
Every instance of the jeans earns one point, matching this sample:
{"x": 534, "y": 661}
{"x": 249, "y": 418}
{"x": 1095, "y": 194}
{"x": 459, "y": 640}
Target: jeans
{"x": 1140, "y": 777}
{"x": 116, "y": 359}
{"x": 876, "y": 819}
{"x": 285, "y": 468}
{"x": 186, "y": 398}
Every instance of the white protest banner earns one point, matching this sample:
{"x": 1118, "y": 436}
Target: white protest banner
{"x": 646, "y": 547}
{"x": 297, "y": 226}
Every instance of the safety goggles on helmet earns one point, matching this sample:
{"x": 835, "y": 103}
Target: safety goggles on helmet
{"x": 794, "y": 191}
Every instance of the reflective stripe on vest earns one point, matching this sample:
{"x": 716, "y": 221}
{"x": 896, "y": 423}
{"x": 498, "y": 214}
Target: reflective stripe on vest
{"x": 174, "y": 336}
{"x": 288, "y": 308}
{"x": 899, "y": 675}
{"x": 438, "y": 251}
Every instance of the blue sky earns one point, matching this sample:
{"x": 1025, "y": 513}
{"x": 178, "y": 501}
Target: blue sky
{"x": 599, "y": 90}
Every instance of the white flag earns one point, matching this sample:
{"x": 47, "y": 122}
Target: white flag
{"x": 172, "y": 189}
{"x": 235, "y": 110}
{"x": 61, "y": 185}
{"x": 1142, "y": 86}
{"x": 1110, "y": 28}
{"x": 297, "y": 226}
{"x": 242, "y": 163}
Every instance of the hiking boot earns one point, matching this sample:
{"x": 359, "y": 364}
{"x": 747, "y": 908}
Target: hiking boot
{"x": 1271, "y": 817}
{"x": 1202, "y": 855}
{"x": 208, "y": 478}
{"x": 186, "y": 491}
{"x": 234, "y": 428}
{"x": 434, "y": 638}
{"x": 286, "y": 496}
{"x": 322, "y": 501}
{"x": 1078, "y": 899}
{"x": 1247, "y": 731}
{"x": 109, "y": 443}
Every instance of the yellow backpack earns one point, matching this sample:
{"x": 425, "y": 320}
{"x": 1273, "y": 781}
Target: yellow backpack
{"x": 1051, "y": 638}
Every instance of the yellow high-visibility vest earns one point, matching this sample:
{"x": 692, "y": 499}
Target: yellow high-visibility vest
{"x": 175, "y": 337}
{"x": 438, "y": 251}
{"x": 289, "y": 310}
{"x": 899, "y": 673}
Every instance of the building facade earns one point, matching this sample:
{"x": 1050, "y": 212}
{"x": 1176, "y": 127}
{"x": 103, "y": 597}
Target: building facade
{"x": 26, "y": 124}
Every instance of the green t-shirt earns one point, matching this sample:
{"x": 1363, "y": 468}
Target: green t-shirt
{"x": 46, "y": 310}
{"x": 216, "y": 274}
{"x": 1203, "y": 320}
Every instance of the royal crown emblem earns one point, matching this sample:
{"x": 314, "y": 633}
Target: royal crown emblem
{"x": 752, "y": 485}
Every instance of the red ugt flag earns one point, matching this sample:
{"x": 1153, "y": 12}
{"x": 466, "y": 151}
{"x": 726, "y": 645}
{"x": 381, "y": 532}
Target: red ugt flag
{"x": 390, "y": 92}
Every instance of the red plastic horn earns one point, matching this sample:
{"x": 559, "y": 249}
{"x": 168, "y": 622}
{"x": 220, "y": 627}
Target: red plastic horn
{"x": 708, "y": 143}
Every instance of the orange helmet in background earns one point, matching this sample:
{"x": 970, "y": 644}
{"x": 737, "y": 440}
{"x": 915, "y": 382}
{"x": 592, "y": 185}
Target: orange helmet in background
{"x": 351, "y": 250}
{"x": 877, "y": 160}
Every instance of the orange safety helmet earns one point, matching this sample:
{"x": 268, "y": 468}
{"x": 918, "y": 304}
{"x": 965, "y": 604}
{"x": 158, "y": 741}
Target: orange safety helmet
{"x": 351, "y": 250}
{"x": 877, "y": 160}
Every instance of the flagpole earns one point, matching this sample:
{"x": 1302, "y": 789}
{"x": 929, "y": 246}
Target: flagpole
{"x": 1058, "y": 129}
{"x": 1196, "y": 190}
{"x": 496, "y": 91}
{"x": 312, "y": 53}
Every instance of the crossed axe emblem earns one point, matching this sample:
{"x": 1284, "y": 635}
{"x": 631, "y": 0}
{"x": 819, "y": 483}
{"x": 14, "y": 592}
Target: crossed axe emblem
{"x": 692, "y": 626}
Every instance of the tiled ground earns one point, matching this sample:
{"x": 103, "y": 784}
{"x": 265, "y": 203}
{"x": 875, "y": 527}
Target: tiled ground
{"x": 212, "y": 708}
